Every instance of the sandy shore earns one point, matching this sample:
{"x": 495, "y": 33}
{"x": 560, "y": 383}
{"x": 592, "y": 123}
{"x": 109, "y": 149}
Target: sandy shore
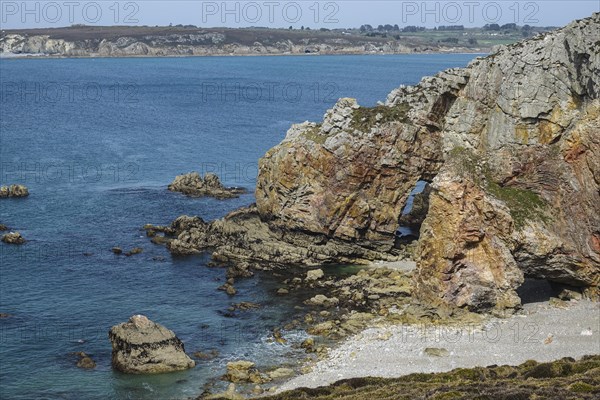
{"x": 542, "y": 332}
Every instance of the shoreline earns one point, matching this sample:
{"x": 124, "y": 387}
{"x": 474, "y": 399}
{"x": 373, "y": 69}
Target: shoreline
{"x": 46, "y": 57}
{"x": 541, "y": 331}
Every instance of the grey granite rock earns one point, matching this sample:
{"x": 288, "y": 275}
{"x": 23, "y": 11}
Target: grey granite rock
{"x": 141, "y": 346}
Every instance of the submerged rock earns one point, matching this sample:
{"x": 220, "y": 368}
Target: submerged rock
{"x": 228, "y": 288}
{"x": 141, "y": 346}
{"x": 3, "y": 227}
{"x": 13, "y": 191}
{"x": 85, "y": 361}
{"x": 13, "y": 238}
{"x": 135, "y": 250}
{"x": 244, "y": 306}
{"x": 206, "y": 356}
{"x": 194, "y": 185}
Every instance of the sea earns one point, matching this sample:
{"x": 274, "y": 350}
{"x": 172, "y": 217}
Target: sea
{"x": 97, "y": 141}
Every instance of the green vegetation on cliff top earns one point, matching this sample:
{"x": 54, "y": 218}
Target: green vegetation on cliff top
{"x": 364, "y": 118}
{"x": 314, "y": 134}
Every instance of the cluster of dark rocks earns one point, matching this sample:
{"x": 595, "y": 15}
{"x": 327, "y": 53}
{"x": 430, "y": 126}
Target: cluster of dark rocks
{"x": 6, "y": 192}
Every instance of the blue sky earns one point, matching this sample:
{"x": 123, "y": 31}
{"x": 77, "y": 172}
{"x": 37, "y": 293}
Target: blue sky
{"x": 311, "y": 13}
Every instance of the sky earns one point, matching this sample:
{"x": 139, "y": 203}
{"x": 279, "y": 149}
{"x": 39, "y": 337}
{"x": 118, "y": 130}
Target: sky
{"x": 277, "y": 14}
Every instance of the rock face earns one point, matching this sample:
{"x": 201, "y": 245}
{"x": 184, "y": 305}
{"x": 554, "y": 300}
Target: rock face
{"x": 510, "y": 146}
{"x": 349, "y": 177}
{"x": 13, "y": 191}
{"x": 194, "y": 185}
{"x": 521, "y": 145}
{"x": 141, "y": 346}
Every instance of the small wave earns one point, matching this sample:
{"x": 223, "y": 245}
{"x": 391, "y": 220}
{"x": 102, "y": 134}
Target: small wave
{"x": 135, "y": 190}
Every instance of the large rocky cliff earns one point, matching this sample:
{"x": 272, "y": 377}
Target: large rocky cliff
{"x": 510, "y": 145}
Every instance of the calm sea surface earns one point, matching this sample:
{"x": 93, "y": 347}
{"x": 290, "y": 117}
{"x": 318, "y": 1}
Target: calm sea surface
{"x": 97, "y": 141}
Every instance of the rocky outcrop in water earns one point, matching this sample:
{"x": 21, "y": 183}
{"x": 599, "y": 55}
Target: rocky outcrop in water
{"x": 141, "y": 346}
{"x": 243, "y": 236}
{"x": 13, "y": 238}
{"x": 510, "y": 146}
{"x": 84, "y": 361}
{"x": 194, "y": 185}
{"x": 13, "y": 191}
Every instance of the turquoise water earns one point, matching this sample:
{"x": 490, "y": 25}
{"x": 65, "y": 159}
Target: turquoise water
{"x": 97, "y": 141}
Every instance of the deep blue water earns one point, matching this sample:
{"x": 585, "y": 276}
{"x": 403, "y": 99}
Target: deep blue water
{"x": 97, "y": 141}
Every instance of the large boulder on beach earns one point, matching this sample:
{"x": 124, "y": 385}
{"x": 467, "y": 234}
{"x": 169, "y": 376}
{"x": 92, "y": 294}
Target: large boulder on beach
{"x": 194, "y": 185}
{"x": 141, "y": 346}
{"x": 13, "y": 191}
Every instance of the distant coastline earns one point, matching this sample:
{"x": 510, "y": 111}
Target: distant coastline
{"x": 12, "y": 56}
{"x": 187, "y": 41}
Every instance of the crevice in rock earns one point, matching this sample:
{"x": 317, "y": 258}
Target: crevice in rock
{"x": 413, "y": 214}
{"x": 441, "y": 107}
